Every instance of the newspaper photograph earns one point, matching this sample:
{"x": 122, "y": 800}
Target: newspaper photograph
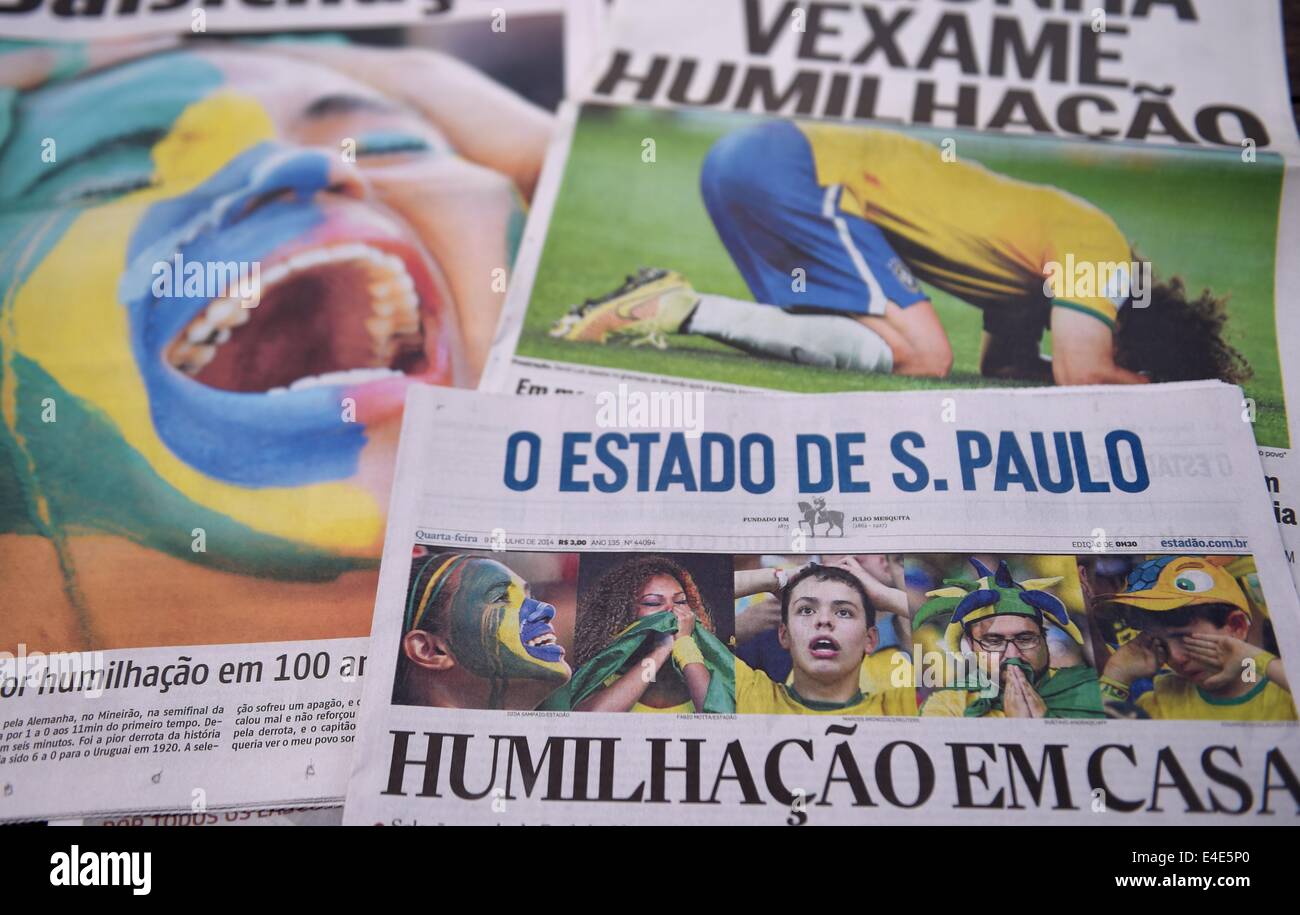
{"x": 827, "y": 197}
{"x": 823, "y": 595}
{"x": 223, "y": 258}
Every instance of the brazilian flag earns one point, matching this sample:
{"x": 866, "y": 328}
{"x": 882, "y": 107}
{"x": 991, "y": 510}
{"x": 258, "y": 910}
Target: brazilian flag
{"x": 619, "y": 655}
{"x": 1068, "y": 692}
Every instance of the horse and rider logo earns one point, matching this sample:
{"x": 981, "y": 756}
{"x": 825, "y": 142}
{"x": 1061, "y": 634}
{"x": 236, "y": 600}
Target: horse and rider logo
{"x": 817, "y": 513}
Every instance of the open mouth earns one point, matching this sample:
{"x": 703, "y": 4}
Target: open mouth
{"x": 547, "y": 639}
{"x": 346, "y": 313}
{"x": 351, "y": 308}
{"x": 540, "y": 642}
{"x": 824, "y": 647}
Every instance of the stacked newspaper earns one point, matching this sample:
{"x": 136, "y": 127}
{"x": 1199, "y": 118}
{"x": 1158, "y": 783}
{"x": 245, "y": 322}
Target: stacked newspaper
{"x": 914, "y": 362}
{"x": 708, "y": 607}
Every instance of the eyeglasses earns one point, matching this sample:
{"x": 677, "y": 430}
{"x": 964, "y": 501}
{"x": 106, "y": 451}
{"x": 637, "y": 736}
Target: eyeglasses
{"x": 1025, "y": 641}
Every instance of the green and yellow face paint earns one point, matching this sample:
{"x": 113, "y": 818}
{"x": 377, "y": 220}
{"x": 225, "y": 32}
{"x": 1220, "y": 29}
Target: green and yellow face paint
{"x": 269, "y": 428}
{"x": 495, "y": 630}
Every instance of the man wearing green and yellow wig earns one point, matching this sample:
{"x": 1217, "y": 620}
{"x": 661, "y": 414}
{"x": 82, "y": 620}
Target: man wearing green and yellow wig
{"x": 1194, "y": 620}
{"x": 1003, "y": 623}
{"x": 473, "y": 637}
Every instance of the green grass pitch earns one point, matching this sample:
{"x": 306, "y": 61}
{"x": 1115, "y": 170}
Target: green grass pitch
{"x": 1210, "y": 218}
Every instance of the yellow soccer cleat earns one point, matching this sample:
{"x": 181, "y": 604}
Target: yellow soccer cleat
{"x": 649, "y": 305}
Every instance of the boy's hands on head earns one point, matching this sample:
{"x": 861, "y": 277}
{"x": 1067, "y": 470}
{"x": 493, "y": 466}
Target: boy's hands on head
{"x": 1136, "y": 659}
{"x": 758, "y": 618}
{"x": 883, "y": 597}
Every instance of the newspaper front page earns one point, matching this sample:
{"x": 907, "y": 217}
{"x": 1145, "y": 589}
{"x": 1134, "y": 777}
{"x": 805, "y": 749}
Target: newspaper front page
{"x": 222, "y": 259}
{"x": 1056, "y": 606}
{"x": 820, "y": 197}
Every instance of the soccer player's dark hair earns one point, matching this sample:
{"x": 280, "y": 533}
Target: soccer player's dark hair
{"x": 826, "y": 573}
{"x": 1178, "y": 338}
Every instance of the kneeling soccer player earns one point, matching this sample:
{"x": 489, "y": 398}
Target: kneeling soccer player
{"x": 829, "y": 627}
{"x": 831, "y": 226}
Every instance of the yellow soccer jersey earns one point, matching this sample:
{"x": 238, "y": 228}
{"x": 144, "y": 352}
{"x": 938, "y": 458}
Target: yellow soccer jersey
{"x": 978, "y": 235}
{"x": 684, "y": 708}
{"x": 881, "y": 671}
{"x": 1177, "y": 699}
{"x": 759, "y": 694}
{"x": 951, "y": 703}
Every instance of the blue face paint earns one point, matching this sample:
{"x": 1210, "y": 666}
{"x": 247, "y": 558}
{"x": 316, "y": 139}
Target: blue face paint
{"x": 253, "y": 439}
{"x": 86, "y": 476}
{"x": 534, "y": 620}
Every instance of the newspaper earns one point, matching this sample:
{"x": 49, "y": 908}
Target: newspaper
{"x": 981, "y": 187}
{"x": 822, "y": 599}
{"x": 293, "y": 816}
{"x": 222, "y": 260}
{"x": 65, "y": 20}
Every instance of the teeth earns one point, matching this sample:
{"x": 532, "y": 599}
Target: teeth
{"x": 308, "y": 259}
{"x": 349, "y": 252}
{"x": 394, "y": 324}
{"x": 272, "y": 275}
{"x": 199, "y": 331}
{"x": 349, "y": 376}
{"x": 390, "y": 289}
{"x": 222, "y": 311}
{"x": 380, "y": 328}
{"x": 192, "y": 357}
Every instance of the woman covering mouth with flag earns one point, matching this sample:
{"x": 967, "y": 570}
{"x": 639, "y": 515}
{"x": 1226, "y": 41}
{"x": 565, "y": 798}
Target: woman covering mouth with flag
{"x": 645, "y": 643}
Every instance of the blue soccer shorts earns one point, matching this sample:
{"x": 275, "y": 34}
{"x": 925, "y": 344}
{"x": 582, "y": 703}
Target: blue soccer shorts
{"x": 760, "y": 187}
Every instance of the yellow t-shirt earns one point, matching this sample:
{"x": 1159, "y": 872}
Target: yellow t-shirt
{"x": 951, "y": 703}
{"x": 684, "y": 708}
{"x": 881, "y": 671}
{"x": 759, "y": 694}
{"x": 971, "y": 232}
{"x": 1177, "y": 699}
